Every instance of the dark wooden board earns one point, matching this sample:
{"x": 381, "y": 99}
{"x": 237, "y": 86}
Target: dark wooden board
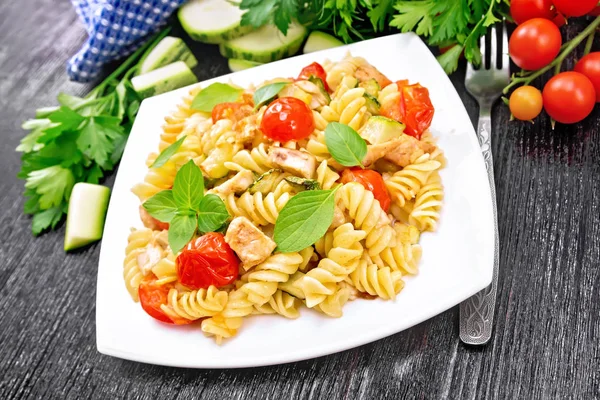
{"x": 546, "y": 342}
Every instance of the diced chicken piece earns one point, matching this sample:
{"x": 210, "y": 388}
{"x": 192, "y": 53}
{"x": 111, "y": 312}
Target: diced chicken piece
{"x": 150, "y": 222}
{"x": 318, "y": 97}
{"x": 239, "y": 183}
{"x": 246, "y": 130}
{"x": 401, "y": 151}
{"x": 366, "y": 72}
{"x": 149, "y": 257}
{"x": 249, "y": 243}
{"x": 293, "y": 161}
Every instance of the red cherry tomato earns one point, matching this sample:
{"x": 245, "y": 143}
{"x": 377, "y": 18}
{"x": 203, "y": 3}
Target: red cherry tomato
{"x": 152, "y": 296}
{"x": 595, "y": 12}
{"x": 206, "y": 261}
{"x": 314, "y": 69}
{"x": 535, "y": 43}
{"x": 372, "y": 181}
{"x": 413, "y": 108}
{"x": 287, "y": 118}
{"x": 524, "y": 10}
{"x": 569, "y": 97}
{"x": 590, "y": 67}
{"x": 575, "y": 8}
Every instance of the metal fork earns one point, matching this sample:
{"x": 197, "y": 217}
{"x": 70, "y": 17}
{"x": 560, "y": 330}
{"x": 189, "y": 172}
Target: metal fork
{"x": 485, "y": 85}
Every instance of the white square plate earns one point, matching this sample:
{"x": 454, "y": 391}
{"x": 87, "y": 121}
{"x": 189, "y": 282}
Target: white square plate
{"x": 457, "y": 259}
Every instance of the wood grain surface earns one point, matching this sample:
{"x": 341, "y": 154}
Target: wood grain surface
{"x": 546, "y": 343}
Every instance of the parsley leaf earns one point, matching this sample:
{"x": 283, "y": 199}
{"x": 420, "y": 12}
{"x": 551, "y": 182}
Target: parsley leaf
{"x": 46, "y": 219}
{"x": 96, "y": 139}
{"x": 52, "y": 184}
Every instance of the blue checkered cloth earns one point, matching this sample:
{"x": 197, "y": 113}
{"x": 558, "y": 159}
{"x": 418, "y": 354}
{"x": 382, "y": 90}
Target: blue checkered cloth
{"x": 116, "y": 28}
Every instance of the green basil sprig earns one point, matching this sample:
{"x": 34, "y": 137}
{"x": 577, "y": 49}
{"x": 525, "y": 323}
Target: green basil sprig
{"x": 214, "y": 94}
{"x": 266, "y": 93}
{"x": 186, "y": 208}
{"x": 345, "y": 145}
{"x": 304, "y": 219}
{"x": 167, "y": 153}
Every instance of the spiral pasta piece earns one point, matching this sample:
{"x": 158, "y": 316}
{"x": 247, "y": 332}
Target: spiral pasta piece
{"x": 428, "y": 204}
{"x": 261, "y": 210}
{"x": 341, "y": 260}
{"x": 264, "y": 278}
{"x": 406, "y": 183}
{"x": 326, "y": 177}
{"x": 255, "y": 160}
{"x": 280, "y": 303}
{"x": 332, "y": 305}
{"x": 368, "y": 216}
{"x": 348, "y": 106}
{"x": 195, "y": 304}
{"x": 221, "y": 327}
{"x": 345, "y": 68}
{"x": 377, "y": 281}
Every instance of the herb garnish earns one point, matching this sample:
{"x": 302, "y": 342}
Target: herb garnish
{"x": 186, "y": 208}
{"x": 167, "y": 153}
{"x": 214, "y": 94}
{"x": 266, "y": 93}
{"x": 344, "y": 144}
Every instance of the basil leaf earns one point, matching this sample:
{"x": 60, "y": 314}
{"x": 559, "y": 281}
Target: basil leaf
{"x": 181, "y": 230}
{"x": 214, "y": 94}
{"x": 266, "y": 93}
{"x": 304, "y": 219}
{"x": 213, "y": 213}
{"x": 344, "y": 144}
{"x": 188, "y": 188}
{"x": 167, "y": 153}
{"x": 161, "y": 206}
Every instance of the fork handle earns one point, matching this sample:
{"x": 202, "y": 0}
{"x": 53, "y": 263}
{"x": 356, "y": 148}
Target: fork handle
{"x": 477, "y": 312}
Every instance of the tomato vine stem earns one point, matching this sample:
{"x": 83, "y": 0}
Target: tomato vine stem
{"x": 556, "y": 64}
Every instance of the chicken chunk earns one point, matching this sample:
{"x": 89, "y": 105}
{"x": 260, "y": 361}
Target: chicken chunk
{"x": 366, "y": 72}
{"x": 149, "y": 257}
{"x": 249, "y": 243}
{"x": 239, "y": 183}
{"x": 293, "y": 161}
{"x": 401, "y": 151}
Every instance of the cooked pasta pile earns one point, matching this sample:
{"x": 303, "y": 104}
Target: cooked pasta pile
{"x": 368, "y": 247}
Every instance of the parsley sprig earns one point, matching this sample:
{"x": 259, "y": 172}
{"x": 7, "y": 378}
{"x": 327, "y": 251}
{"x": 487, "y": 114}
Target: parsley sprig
{"x": 186, "y": 208}
{"x": 457, "y": 24}
{"x": 78, "y": 141}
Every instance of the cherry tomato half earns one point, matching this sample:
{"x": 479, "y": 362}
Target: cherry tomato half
{"x": 524, "y": 10}
{"x": 526, "y": 103}
{"x": 569, "y": 97}
{"x": 590, "y": 67}
{"x": 575, "y": 8}
{"x": 413, "y": 108}
{"x": 287, "y": 118}
{"x": 535, "y": 43}
{"x": 372, "y": 181}
{"x": 314, "y": 69}
{"x": 206, "y": 261}
{"x": 233, "y": 111}
{"x": 152, "y": 296}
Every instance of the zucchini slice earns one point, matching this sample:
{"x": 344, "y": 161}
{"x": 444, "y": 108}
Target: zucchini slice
{"x": 235, "y": 64}
{"x": 167, "y": 51}
{"x": 164, "y": 79}
{"x": 212, "y": 21}
{"x": 265, "y": 44}
{"x": 318, "y": 40}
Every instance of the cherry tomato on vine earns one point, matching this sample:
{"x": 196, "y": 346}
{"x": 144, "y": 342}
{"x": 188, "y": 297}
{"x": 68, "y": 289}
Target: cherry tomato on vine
{"x": 569, "y": 97}
{"x": 314, "y": 69}
{"x": 287, "y": 118}
{"x": 372, "y": 181}
{"x": 524, "y": 10}
{"x": 413, "y": 108}
{"x": 152, "y": 296}
{"x": 590, "y": 67}
{"x": 207, "y": 260}
{"x": 535, "y": 43}
{"x": 575, "y": 8}
{"x": 526, "y": 103}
